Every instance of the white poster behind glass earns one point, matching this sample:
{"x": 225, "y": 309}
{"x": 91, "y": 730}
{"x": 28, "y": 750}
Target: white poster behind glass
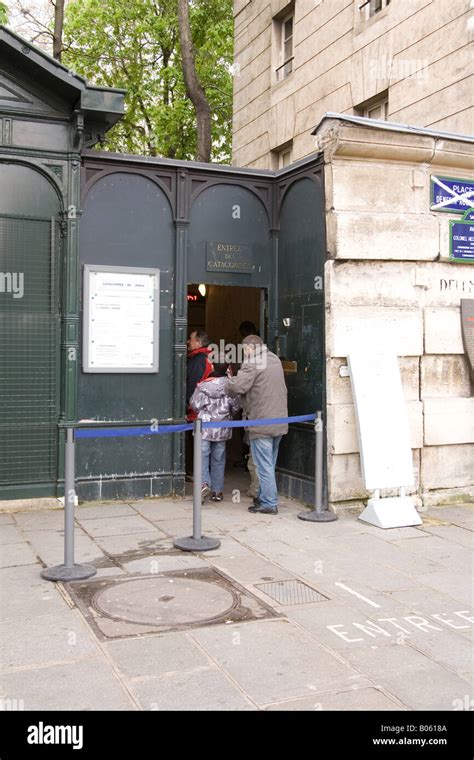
{"x": 121, "y": 314}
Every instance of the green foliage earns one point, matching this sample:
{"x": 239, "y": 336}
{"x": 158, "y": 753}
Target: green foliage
{"x": 3, "y": 13}
{"x": 134, "y": 45}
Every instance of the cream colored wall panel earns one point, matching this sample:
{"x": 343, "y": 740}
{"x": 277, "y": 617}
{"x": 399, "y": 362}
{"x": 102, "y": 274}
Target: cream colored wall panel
{"x": 445, "y": 376}
{"x": 448, "y": 420}
{"x": 339, "y": 391}
{"x": 447, "y": 466}
{"x": 371, "y": 283}
{"x": 441, "y": 103}
{"x": 462, "y": 123}
{"x": 443, "y": 331}
{"x": 446, "y": 72}
{"x": 370, "y": 186}
{"x": 363, "y": 235}
{"x": 401, "y": 330}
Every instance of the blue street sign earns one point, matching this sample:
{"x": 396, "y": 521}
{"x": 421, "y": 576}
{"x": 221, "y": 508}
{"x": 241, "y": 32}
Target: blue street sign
{"x": 461, "y": 239}
{"x": 448, "y": 194}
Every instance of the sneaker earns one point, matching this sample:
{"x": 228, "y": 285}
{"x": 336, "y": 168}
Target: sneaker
{"x": 205, "y": 491}
{"x": 217, "y": 496}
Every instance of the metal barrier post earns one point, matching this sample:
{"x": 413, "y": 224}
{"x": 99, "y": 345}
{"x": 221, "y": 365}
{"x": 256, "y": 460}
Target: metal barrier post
{"x": 318, "y": 514}
{"x": 197, "y": 542}
{"x": 69, "y": 571}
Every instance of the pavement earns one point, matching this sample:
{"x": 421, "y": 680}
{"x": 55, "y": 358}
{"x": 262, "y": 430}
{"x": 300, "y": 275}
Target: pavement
{"x": 371, "y": 619}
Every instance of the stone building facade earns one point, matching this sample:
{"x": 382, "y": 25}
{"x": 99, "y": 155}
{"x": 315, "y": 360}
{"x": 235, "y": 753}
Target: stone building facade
{"x": 408, "y": 61}
{"x": 388, "y": 273}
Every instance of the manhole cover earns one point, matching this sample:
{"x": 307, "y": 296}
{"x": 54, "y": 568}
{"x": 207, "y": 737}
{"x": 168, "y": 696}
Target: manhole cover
{"x": 167, "y": 601}
{"x": 291, "y": 592}
{"x": 118, "y": 607}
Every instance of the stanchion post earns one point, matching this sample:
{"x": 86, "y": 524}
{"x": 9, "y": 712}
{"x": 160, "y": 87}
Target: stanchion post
{"x": 69, "y": 571}
{"x": 197, "y": 479}
{"x": 197, "y": 542}
{"x": 318, "y": 514}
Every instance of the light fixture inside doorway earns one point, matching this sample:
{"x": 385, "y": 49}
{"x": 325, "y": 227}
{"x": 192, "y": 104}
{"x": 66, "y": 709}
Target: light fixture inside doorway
{"x": 202, "y": 289}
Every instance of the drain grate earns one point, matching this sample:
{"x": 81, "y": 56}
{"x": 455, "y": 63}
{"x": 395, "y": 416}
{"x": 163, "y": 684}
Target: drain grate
{"x": 291, "y": 592}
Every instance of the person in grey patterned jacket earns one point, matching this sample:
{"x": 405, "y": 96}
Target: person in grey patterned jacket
{"x": 212, "y": 403}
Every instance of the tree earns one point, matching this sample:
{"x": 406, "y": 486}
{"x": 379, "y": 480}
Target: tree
{"x": 3, "y": 13}
{"x": 136, "y": 46}
{"x": 193, "y": 85}
{"x": 40, "y": 22}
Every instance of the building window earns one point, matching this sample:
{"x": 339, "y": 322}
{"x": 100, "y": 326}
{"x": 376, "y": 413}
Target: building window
{"x": 281, "y": 156}
{"x": 284, "y": 40}
{"x": 371, "y": 7}
{"x": 375, "y": 108}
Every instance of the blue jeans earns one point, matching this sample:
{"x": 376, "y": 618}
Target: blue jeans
{"x": 265, "y": 453}
{"x": 213, "y": 464}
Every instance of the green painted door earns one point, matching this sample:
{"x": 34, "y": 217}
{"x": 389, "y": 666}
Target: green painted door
{"x": 29, "y": 355}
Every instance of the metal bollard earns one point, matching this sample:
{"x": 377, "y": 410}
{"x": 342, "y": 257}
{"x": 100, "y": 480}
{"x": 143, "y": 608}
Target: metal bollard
{"x": 318, "y": 514}
{"x": 69, "y": 571}
{"x": 197, "y": 542}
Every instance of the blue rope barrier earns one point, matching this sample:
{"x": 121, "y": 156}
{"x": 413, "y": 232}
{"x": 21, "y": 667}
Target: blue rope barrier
{"x": 162, "y": 429}
{"x": 128, "y": 432}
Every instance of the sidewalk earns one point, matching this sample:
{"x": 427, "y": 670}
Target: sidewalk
{"x": 389, "y": 629}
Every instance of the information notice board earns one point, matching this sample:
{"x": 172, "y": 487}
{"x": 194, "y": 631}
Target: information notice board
{"x": 120, "y": 319}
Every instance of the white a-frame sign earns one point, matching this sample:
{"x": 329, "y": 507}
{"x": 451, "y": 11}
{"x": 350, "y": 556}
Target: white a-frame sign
{"x": 384, "y": 436}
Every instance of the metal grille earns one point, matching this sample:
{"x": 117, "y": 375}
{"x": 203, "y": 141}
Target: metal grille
{"x": 291, "y": 592}
{"x": 29, "y": 350}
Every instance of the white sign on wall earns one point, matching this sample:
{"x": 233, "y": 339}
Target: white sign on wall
{"x": 121, "y": 314}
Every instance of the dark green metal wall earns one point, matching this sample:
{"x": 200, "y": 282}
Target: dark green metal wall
{"x": 144, "y": 212}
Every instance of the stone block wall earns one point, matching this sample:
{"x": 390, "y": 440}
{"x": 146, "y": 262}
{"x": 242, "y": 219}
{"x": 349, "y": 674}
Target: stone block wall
{"x": 388, "y": 275}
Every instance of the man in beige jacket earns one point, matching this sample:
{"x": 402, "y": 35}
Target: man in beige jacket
{"x": 261, "y": 383}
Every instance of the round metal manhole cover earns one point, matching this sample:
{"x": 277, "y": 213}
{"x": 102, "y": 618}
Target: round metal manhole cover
{"x": 164, "y": 601}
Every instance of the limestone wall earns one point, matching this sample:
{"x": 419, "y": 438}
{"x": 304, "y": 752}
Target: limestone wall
{"x": 388, "y": 274}
{"x": 418, "y": 50}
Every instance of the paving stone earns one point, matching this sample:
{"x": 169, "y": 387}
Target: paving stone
{"x": 13, "y": 555}
{"x": 83, "y": 685}
{"x": 453, "y": 533}
{"x": 163, "y": 563}
{"x": 24, "y": 594}
{"x": 206, "y": 689}
{"x": 156, "y": 655}
{"x": 135, "y": 543}
{"x": 273, "y": 660}
{"x": 333, "y": 625}
{"x": 445, "y": 553}
{"x": 429, "y": 602}
{"x": 49, "y": 545}
{"x": 45, "y": 639}
{"x": 163, "y": 510}
{"x": 373, "y": 548}
{"x": 356, "y": 699}
{"x": 6, "y": 519}
{"x": 117, "y": 526}
{"x": 410, "y": 676}
{"x": 445, "y": 647}
{"x": 452, "y": 583}
{"x": 250, "y": 569}
{"x": 9, "y": 534}
{"x": 104, "y": 511}
{"x": 460, "y": 515}
{"x": 40, "y": 520}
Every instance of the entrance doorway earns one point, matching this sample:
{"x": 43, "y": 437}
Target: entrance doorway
{"x": 219, "y": 310}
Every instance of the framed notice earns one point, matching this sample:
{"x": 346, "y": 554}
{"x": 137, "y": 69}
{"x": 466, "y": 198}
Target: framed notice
{"x": 121, "y": 319}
